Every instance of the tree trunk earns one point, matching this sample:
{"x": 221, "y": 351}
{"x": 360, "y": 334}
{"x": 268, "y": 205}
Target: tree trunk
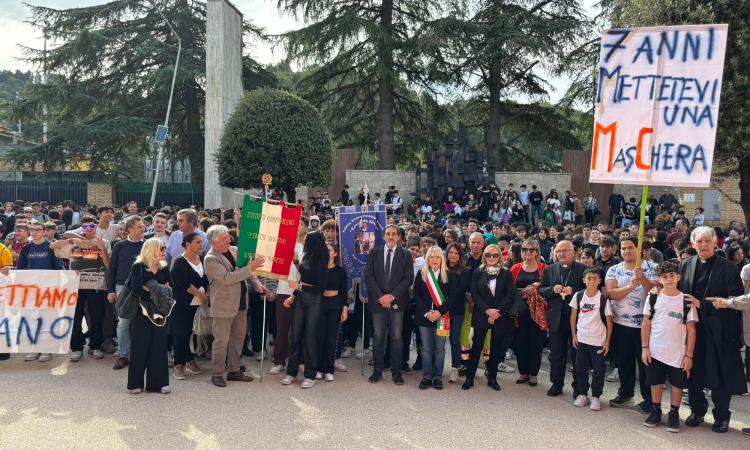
{"x": 385, "y": 138}
{"x": 492, "y": 138}
{"x": 744, "y": 169}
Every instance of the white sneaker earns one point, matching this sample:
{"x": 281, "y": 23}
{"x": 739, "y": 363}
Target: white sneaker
{"x": 581, "y": 400}
{"x": 347, "y": 353}
{"x": 596, "y": 404}
{"x": 76, "y": 356}
{"x": 307, "y": 383}
{"x": 366, "y": 353}
{"x": 97, "y": 354}
{"x": 287, "y": 380}
{"x": 339, "y": 366}
{"x": 135, "y": 391}
{"x": 328, "y": 377}
{"x": 44, "y": 357}
{"x": 31, "y": 357}
{"x": 613, "y": 376}
{"x": 276, "y": 369}
{"x": 258, "y": 358}
{"x": 502, "y": 367}
{"x": 166, "y": 390}
{"x": 318, "y": 376}
{"x": 509, "y": 354}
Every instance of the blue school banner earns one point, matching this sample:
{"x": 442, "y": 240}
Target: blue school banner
{"x": 360, "y": 229}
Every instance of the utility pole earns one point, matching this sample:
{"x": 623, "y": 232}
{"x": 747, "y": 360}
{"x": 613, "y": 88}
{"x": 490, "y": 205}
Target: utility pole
{"x": 162, "y": 131}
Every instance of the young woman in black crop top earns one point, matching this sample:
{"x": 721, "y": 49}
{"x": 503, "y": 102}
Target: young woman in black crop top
{"x": 306, "y": 304}
{"x": 334, "y": 310}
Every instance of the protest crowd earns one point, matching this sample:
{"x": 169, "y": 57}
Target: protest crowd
{"x": 498, "y": 274}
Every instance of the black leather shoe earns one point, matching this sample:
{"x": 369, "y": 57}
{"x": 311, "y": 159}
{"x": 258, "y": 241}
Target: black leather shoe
{"x": 554, "y": 391}
{"x": 438, "y": 384}
{"x": 417, "y": 364}
{"x": 376, "y": 376}
{"x": 398, "y": 380}
{"x": 425, "y": 383}
{"x": 694, "y": 420}
{"x": 467, "y": 384}
{"x": 720, "y": 426}
{"x": 493, "y": 384}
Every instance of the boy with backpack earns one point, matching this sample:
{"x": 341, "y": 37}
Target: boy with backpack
{"x": 668, "y": 342}
{"x": 591, "y": 327}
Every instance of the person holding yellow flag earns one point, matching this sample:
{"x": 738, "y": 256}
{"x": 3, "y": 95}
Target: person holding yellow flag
{"x": 435, "y": 290}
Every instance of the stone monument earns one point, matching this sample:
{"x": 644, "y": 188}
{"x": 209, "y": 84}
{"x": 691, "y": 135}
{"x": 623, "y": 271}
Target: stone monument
{"x": 223, "y": 89}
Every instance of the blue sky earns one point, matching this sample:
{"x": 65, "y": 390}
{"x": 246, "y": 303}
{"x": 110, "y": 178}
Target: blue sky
{"x": 264, "y": 13}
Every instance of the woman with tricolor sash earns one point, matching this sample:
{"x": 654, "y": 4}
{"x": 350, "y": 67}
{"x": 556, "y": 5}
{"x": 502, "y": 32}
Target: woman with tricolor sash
{"x": 434, "y": 291}
{"x": 493, "y": 293}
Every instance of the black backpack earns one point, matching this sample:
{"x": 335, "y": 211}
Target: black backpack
{"x": 602, "y": 305}
{"x": 652, "y": 304}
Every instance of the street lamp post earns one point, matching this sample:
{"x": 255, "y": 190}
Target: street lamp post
{"x": 160, "y": 156}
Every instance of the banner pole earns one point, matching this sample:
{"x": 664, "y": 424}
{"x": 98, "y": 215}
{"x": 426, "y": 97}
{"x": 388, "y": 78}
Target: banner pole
{"x": 641, "y": 226}
{"x": 263, "y": 339}
{"x": 359, "y": 298}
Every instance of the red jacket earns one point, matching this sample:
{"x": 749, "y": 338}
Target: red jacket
{"x": 516, "y": 269}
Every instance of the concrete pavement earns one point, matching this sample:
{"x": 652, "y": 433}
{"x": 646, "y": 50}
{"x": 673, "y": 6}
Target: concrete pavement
{"x": 66, "y": 405}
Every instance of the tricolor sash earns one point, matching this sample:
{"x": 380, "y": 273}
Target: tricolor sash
{"x": 443, "y": 324}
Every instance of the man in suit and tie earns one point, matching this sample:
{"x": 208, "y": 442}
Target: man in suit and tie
{"x": 389, "y": 274}
{"x": 559, "y": 282}
{"x": 717, "y": 363}
{"x": 227, "y": 291}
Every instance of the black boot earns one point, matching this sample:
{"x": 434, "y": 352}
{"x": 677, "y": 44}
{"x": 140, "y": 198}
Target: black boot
{"x": 468, "y": 383}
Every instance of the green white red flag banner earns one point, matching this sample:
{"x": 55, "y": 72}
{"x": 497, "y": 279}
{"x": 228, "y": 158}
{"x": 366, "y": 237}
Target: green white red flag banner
{"x": 269, "y": 230}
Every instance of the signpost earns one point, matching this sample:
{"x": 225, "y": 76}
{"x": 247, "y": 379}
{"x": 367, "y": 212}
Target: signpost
{"x": 657, "y": 107}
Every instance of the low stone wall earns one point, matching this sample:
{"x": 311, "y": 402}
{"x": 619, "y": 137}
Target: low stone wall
{"x": 99, "y": 194}
{"x": 379, "y": 180}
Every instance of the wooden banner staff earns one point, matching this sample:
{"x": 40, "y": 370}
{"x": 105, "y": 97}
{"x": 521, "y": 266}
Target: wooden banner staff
{"x": 641, "y": 222}
{"x": 266, "y": 180}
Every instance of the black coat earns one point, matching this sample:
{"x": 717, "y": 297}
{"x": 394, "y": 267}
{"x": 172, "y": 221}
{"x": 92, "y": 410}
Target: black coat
{"x": 402, "y": 277}
{"x": 552, "y": 276}
{"x": 423, "y": 300}
{"x": 717, "y": 361}
{"x": 505, "y": 295}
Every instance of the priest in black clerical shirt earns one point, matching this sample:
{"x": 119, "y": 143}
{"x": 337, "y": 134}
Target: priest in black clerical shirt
{"x": 717, "y": 364}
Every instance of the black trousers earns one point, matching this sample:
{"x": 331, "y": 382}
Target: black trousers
{"x": 500, "y": 342}
{"x": 587, "y": 357}
{"x": 699, "y": 402}
{"x": 626, "y": 346}
{"x": 180, "y": 329}
{"x": 590, "y": 216}
{"x": 304, "y": 335}
{"x": 148, "y": 355}
{"x": 351, "y": 328}
{"x": 93, "y": 301}
{"x": 330, "y": 318}
{"x": 528, "y": 344}
{"x": 560, "y": 343}
{"x": 255, "y": 321}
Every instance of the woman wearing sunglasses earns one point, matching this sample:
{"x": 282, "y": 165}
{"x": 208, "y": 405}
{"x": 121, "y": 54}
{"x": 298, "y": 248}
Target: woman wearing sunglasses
{"x": 493, "y": 293}
{"x": 148, "y": 341}
{"x": 531, "y": 326}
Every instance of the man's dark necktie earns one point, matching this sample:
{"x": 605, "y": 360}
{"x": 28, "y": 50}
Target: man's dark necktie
{"x": 387, "y": 274}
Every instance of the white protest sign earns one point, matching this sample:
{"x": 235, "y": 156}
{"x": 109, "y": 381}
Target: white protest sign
{"x": 36, "y": 310}
{"x": 657, "y": 105}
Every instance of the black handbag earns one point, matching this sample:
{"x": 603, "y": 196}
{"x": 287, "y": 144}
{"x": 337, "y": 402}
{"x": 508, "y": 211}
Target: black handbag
{"x": 520, "y": 307}
{"x": 126, "y": 304}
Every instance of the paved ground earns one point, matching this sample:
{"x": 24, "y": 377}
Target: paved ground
{"x": 65, "y": 405}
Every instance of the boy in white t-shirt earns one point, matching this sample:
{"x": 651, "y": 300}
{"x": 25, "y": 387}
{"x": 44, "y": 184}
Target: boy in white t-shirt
{"x": 668, "y": 342}
{"x": 591, "y": 326}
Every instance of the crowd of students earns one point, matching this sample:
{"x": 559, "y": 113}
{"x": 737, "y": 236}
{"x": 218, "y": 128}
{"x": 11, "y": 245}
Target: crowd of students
{"x": 488, "y": 288}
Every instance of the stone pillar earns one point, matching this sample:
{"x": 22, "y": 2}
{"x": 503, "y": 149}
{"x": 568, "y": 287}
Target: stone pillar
{"x": 223, "y": 88}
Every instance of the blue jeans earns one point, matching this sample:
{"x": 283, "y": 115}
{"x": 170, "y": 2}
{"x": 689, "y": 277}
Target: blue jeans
{"x": 123, "y": 331}
{"x": 387, "y": 323}
{"x": 455, "y": 340}
{"x": 536, "y": 213}
{"x": 433, "y": 353}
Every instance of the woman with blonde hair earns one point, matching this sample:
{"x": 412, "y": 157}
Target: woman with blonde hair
{"x": 531, "y": 326}
{"x": 149, "y": 283}
{"x": 493, "y": 293}
{"x": 435, "y": 289}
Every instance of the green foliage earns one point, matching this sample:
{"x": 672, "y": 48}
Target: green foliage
{"x": 12, "y": 82}
{"x": 277, "y": 132}
{"x": 111, "y": 80}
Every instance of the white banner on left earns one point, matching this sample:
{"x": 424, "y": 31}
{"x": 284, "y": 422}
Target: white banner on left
{"x": 36, "y": 310}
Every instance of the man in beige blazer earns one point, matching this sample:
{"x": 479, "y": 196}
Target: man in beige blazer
{"x": 228, "y": 298}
